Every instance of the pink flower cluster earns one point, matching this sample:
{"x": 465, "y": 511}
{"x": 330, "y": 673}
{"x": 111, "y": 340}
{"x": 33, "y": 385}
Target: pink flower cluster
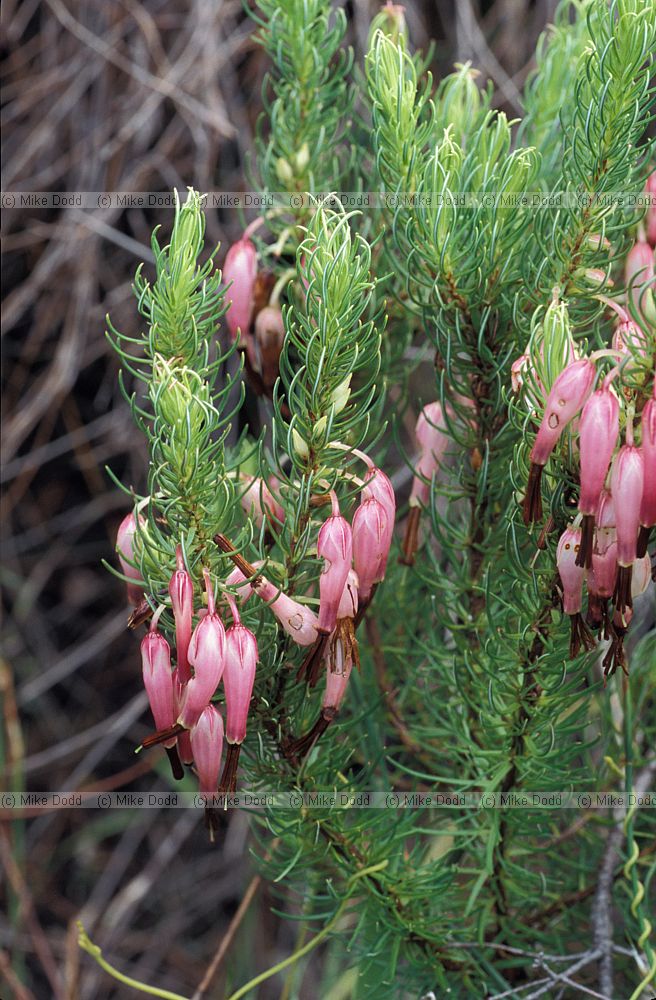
{"x": 354, "y": 561}
{"x": 188, "y": 723}
{"x": 617, "y": 498}
{"x": 181, "y": 697}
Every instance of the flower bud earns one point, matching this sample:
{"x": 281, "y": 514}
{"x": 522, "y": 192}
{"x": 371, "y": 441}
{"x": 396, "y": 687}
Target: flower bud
{"x": 207, "y": 657}
{"x": 598, "y": 430}
{"x": 125, "y": 551}
{"x": 335, "y": 547}
{"x": 299, "y": 445}
{"x": 551, "y": 346}
{"x": 370, "y": 545}
{"x": 180, "y": 396}
{"x": 207, "y": 746}
{"x": 433, "y": 441}
{"x": 181, "y": 592}
{"x": 157, "y": 677}
{"x": 269, "y": 338}
{"x": 258, "y": 501}
{"x": 238, "y": 677}
{"x": 340, "y": 396}
{"x": 240, "y": 270}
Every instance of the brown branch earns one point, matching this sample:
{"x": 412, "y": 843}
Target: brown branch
{"x": 227, "y": 938}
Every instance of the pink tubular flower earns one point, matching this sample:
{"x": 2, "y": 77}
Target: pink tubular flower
{"x": 627, "y": 480}
{"x": 568, "y": 394}
{"x": 239, "y": 676}
{"x": 181, "y": 592}
{"x": 125, "y": 552}
{"x": 651, "y": 211}
{"x": 377, "y": 486}
{"x": 571, "y": 575}
{"x": 571, "y": 578}
{"x": 237, "y": 579}
{"x": 648, "y": 448}
{"x": 157, "y": 677}
{"x": 335, "y": 547}
{"x": 639, "y": 270}
{"x": 298, "y": 621}
{"x": 337, "y": 676}
{"x": 628, "y": 338}
{"x": 240, "y": 271}
{"x": 207, "y": 746}
{"x": 598, "y": 430}
{"x": 342, "y": 651}
{"x": 433, "y": 441}
{"x": 370, "y": 545}
{"x": 258, "y": 501}
{"x": 207, "y": 657}
{"x": 603, "y": 572}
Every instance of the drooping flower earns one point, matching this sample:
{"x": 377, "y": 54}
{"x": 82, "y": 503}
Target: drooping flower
{"x": 568, "y": 394}
{"x": 240, "y": 271}
{"x": 598, "y": 430}
{"x": 207, "y": 657}
{"x": 433, "y": 441}
{"x": 298, "y": 621}
{"x": 335, "y": 547}
{"x": 125, "y": 552}
{"x": 206, "y": 738}
{"x": 370, "y": 545}
{"x": 378, "y": 486}
{"x": 181, "y": 592}
{"x": 626, "y": 483}
{"x": 571, "y": 578}
{"x": 337, "y": 656}
{"x": 648, "y": 449}
{"x": 241, "y": 657}
{"x": 157, "y": 677}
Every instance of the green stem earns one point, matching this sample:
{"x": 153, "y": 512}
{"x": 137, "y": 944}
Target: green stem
{"x": 92, "y": 949}
{"x": 317, "y": 939}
